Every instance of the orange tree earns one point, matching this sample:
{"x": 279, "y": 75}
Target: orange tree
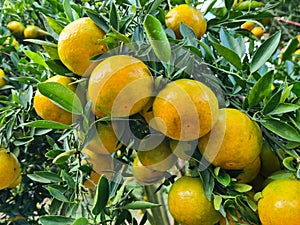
{"x": 246, "y": 73}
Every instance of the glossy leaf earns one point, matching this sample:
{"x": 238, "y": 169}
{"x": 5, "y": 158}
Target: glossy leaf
{"x": 242, "y": 188}
{"x": 58, "y": 67}
{"x": 158, "y": 38}
{"x": 36, "y": 57}
{"x": 264, "y": 52}
{"x": 113, "y": 16}
{"x": 217, "y": 202}
{"x": 56, "y": 220}
{"x": 290, "y": 48}
{"x": 284, "y": 108}
{"x": 232, "y": 43}
{"x": 272, "y": 103}
{"x": 229, "y": 55}
{"x": 63, "y": 157}
{"x": 68, "y": 10}
{"x": 100, "y": 21}
{"x": 81, "y": 221}
{"x": 140, "y": 205}
{"x": 261, "y": 89}
{"x": 101, "y": 196}
{"x": 62, "y": 96}
{"x": 41, "y": 42}
{"x": 289, "y": 163}
{"x": 46, "y": 124}
{"x": 44, "y": 177}
{"x": 282, "y": 129}
{"x": 57, "y": 194}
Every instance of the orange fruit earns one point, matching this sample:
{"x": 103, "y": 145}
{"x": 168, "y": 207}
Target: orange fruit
{"x": 189, "y": 205}
{"x": 185, "y": 110}
{"x": 159, "y": 157}
{"x": 144, "y": 175}
{"x": 16, "y": 28}
{"x": 2, "y": 81}
{"x": 101, "y": 164}
{"x": 105, "y": 140}
{"x": 234, "y": 142}
{"x": 257, "y": 31}
{"x": 188, "y": 15}
{"x": 280, "y": 203}
{"x": 78, "y": 42}
{"x": 9, "y": 168}
{"x": 32, "y": 31}
{"x": 120, "y": 86}
{"x": 296, "y": 56}
{"x": 16, "y": 182}
{"x": 47, "y": 109}
{"x": 248, "y": 25}
{"x": 249, "y": 172}
{"x": 269, "y": 160}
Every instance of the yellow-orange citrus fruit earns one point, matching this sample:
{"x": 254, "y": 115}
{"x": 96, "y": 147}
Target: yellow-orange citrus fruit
{"x": 120, "y": 86}
{"x": 101, "y": 164}
{"x": 248, "y": 25}
{"x": 9, "y": 168}
{"x": 234, "y": 142}
{"x": 280, "y": 203}
{"x": 16, "y": 182}
{"x": 249, "y": 172}
{"x": 144, "y": 175}
{"x": 296, "y": 56}
{"x": 257, "y": 31}
{"x": 47, "y": 109}
{"x": 189, "y": 205}
{"x": 266, "y": 21}
{"x": 32, "y": 31}
{"x": 78, "y": 42}
{"x": 183, "y": 149}
{"x": 105, "y": 140}
{"x": 159, "y": 157}
{"x": 269, "y": 160}
{"x": 16, "y": 28}
{"x": 185, "y": 110}
{"x": 188, "y": 15}
{"x": 2, "y": 81}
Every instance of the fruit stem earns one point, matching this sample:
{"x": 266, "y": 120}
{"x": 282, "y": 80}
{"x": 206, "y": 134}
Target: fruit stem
{"x": 159, "y": 213}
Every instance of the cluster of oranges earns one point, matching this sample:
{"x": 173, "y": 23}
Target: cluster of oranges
{"x": 31, "y": 31}
{"x": 184, "y": 115}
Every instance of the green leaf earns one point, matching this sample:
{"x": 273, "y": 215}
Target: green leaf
{"x": 290, "y": 48}
{"x": 62, "y": 96}
{"x": 68, "y": 10}
{"x": 272, "y": 103}
{"x": 140, "y": 205}
{"x": 261, "y": 89}
{"x": 264, "y": 52}
{"x": 44, "y": 177}
{"x": 232, "y": 43}
{"x": 296, "y": 88}
{"x": 284, "y": 108}
{"x": 36, "y": 57}
{"x": 57, "y": 194}
{"x": 63, "y": 157}
{"x": 41, "y": 42}
{"x": 217, "y": 202}
{"x": 229, "y": 55}
{"x": 158, "y": 38}
{"x": 282, "y": 129}
{"x": 58, "y": 67}
{"x": 155, "y": 4}
{"x": 101, "y": 196}
{"x": 247, "y": 5}
{"x": 242, "y": 188}
{"x": 46, "y": 124}
{"x": 114, "y": 17}
{"x": 56, "y": 220}
{"x": 81, "y": 221}
{"x": 100, "y": 21}
{"x": 289, "y": 163}
{"x": 55, "y": 26}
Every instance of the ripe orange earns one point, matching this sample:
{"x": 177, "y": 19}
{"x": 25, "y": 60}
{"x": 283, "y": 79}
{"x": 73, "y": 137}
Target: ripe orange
{"x": 258, "y": 32}
{"x": 249, "y": 172}
{"x": 47, "y": 109}
{"x": 248, "y": 25}
{"x": 105, "y": 140}
{"x": 234, "y": 142}
{"x": 144, "y": 175}
{"x": 296, "y": 56}
{"x": 32, "y": 31}
{"x": 16, "y": 182}
{"x": 188, "y": 15}
{"x": 9, "y": 168}
{"x": 101, "y": 164}
{"x": 189, "y": 205}
{"x": 78, "y": 42}
{"x": 2, "y": 81}
{"x": 185, "y": 110}
{"x": 158, "y": 158}
{"x": 280, "y": 203}
{"x": 16, "y": 28}
{"x": 120, "y": 86}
